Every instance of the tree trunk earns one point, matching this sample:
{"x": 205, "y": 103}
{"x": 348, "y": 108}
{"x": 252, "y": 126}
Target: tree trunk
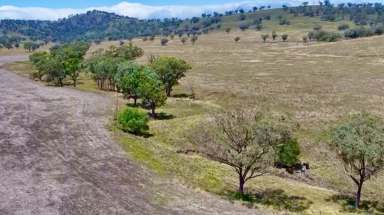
{"x": 74, "y": 82}
{"x": 358, "y": 194}
{"x": 153, "y": 110}
{"x": 168, "y": 91}
{"x": 135, "y": 100}
{"x": 241, "y": 184}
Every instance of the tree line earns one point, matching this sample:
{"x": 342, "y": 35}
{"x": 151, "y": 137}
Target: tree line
{"x": 113, "y": 69}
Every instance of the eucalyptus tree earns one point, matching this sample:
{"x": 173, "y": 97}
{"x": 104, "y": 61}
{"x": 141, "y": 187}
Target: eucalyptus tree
{"x": 169, "y": 70}
{"x": 243, "y": 140}
{"x": 359, "y": 143}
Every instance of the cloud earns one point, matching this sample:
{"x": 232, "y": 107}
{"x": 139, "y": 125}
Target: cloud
{"x": 143, "y": 11}
{"x": 133, "y": 10}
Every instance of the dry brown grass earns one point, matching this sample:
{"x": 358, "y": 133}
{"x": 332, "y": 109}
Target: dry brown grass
{"x": 315, "y": 83}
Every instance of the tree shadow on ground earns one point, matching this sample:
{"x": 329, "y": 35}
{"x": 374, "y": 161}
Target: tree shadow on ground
{"x": 348, "y": 204}
{"x": 182, "y": 95}
{"x": 132, "y": 105}
{"x": 275, "y": 198}
{"x": 164, "y": 116}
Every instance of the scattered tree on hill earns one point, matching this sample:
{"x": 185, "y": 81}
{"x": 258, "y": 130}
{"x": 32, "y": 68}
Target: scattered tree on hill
{"x": 228, "y": 30}
{"x": 30, "y": 46}
{"x": 242, "y": 17}
{"x": 244, "y": 140}
{"x": 125, "y": 52}
{"x": 71, "y": 56}
{"x": 274, "y": 35}
{"x": 243, "y": 26}
{"x": 194, "y": 39}
{"x": 324, "y": 36}
{"x": 284, "y": 37}
{"x": 237, "y": 39}
{"x": 164, "y": 41}
{"x": 264, "y": 37}
{"x": 169, "y": 70}
{"x": 183, "y": 40}
{"x": 359, "y": 142}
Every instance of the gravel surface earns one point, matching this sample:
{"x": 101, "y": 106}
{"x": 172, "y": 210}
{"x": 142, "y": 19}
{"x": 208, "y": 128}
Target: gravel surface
{"x": 57, "y": 157}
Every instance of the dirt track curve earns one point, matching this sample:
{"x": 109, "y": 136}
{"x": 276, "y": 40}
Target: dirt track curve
{"x": 56, "y": 157}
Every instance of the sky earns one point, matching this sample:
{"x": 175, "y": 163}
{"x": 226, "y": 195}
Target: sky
{"x": 56, "y": 9}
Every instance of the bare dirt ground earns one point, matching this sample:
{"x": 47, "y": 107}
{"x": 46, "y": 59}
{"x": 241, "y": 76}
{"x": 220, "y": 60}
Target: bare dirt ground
{"x": 57, "y": 157}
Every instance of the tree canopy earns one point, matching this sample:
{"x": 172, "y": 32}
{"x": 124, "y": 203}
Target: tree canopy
{"x": 169, "y": 70}
{"x": 359, "y": 142}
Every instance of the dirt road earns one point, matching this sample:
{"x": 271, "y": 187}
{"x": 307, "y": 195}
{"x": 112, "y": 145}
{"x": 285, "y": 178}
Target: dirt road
{"x": 56, "y": 157}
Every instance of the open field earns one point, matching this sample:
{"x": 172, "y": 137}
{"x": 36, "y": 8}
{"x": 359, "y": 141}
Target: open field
{"x": 316, "y": 84}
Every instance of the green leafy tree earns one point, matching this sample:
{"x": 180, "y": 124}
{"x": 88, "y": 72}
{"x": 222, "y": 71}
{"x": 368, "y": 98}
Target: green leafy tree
{"x": 264, "y": 37}
{"x": 194, "y": 39}
{"x": 39, "y": 59}
{"x": 104, "y": 69}
{"x": 128, "y": 78}
{"x": 169, "y": 70}
{"x": 359, "y": 142}
{"x": 71, "y": 55}
{"x": 151, "y": 90}
{"x": 54, "y": 68}
{"x": 274, "y": 35}
{"x": 289, "y": 152}
{"x": 133, "y": 121}
{"x": 126, "y": 52}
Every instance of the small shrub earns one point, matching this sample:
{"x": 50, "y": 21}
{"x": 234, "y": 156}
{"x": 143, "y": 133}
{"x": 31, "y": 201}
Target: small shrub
{"x": 259, "y": 27}
{"x": 243, "y": 26}
{"x": 343, "y": 27}
{"x": 228, "y": 30}
{"x": 317, "y": 27}
{"x": 288, "y": 153}
{"x": 358, "y": 32}
{"x": 237, "y": 39}
{"x": 324, "y": 36}
{"x": 133, "y": 121}
{"x": 284, "y": 22}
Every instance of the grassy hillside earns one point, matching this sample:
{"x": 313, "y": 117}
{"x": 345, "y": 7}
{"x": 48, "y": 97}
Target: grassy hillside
{"x": 314, "y": 83}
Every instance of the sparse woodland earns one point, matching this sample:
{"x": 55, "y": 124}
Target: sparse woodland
{"x": 244, "y": 143}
